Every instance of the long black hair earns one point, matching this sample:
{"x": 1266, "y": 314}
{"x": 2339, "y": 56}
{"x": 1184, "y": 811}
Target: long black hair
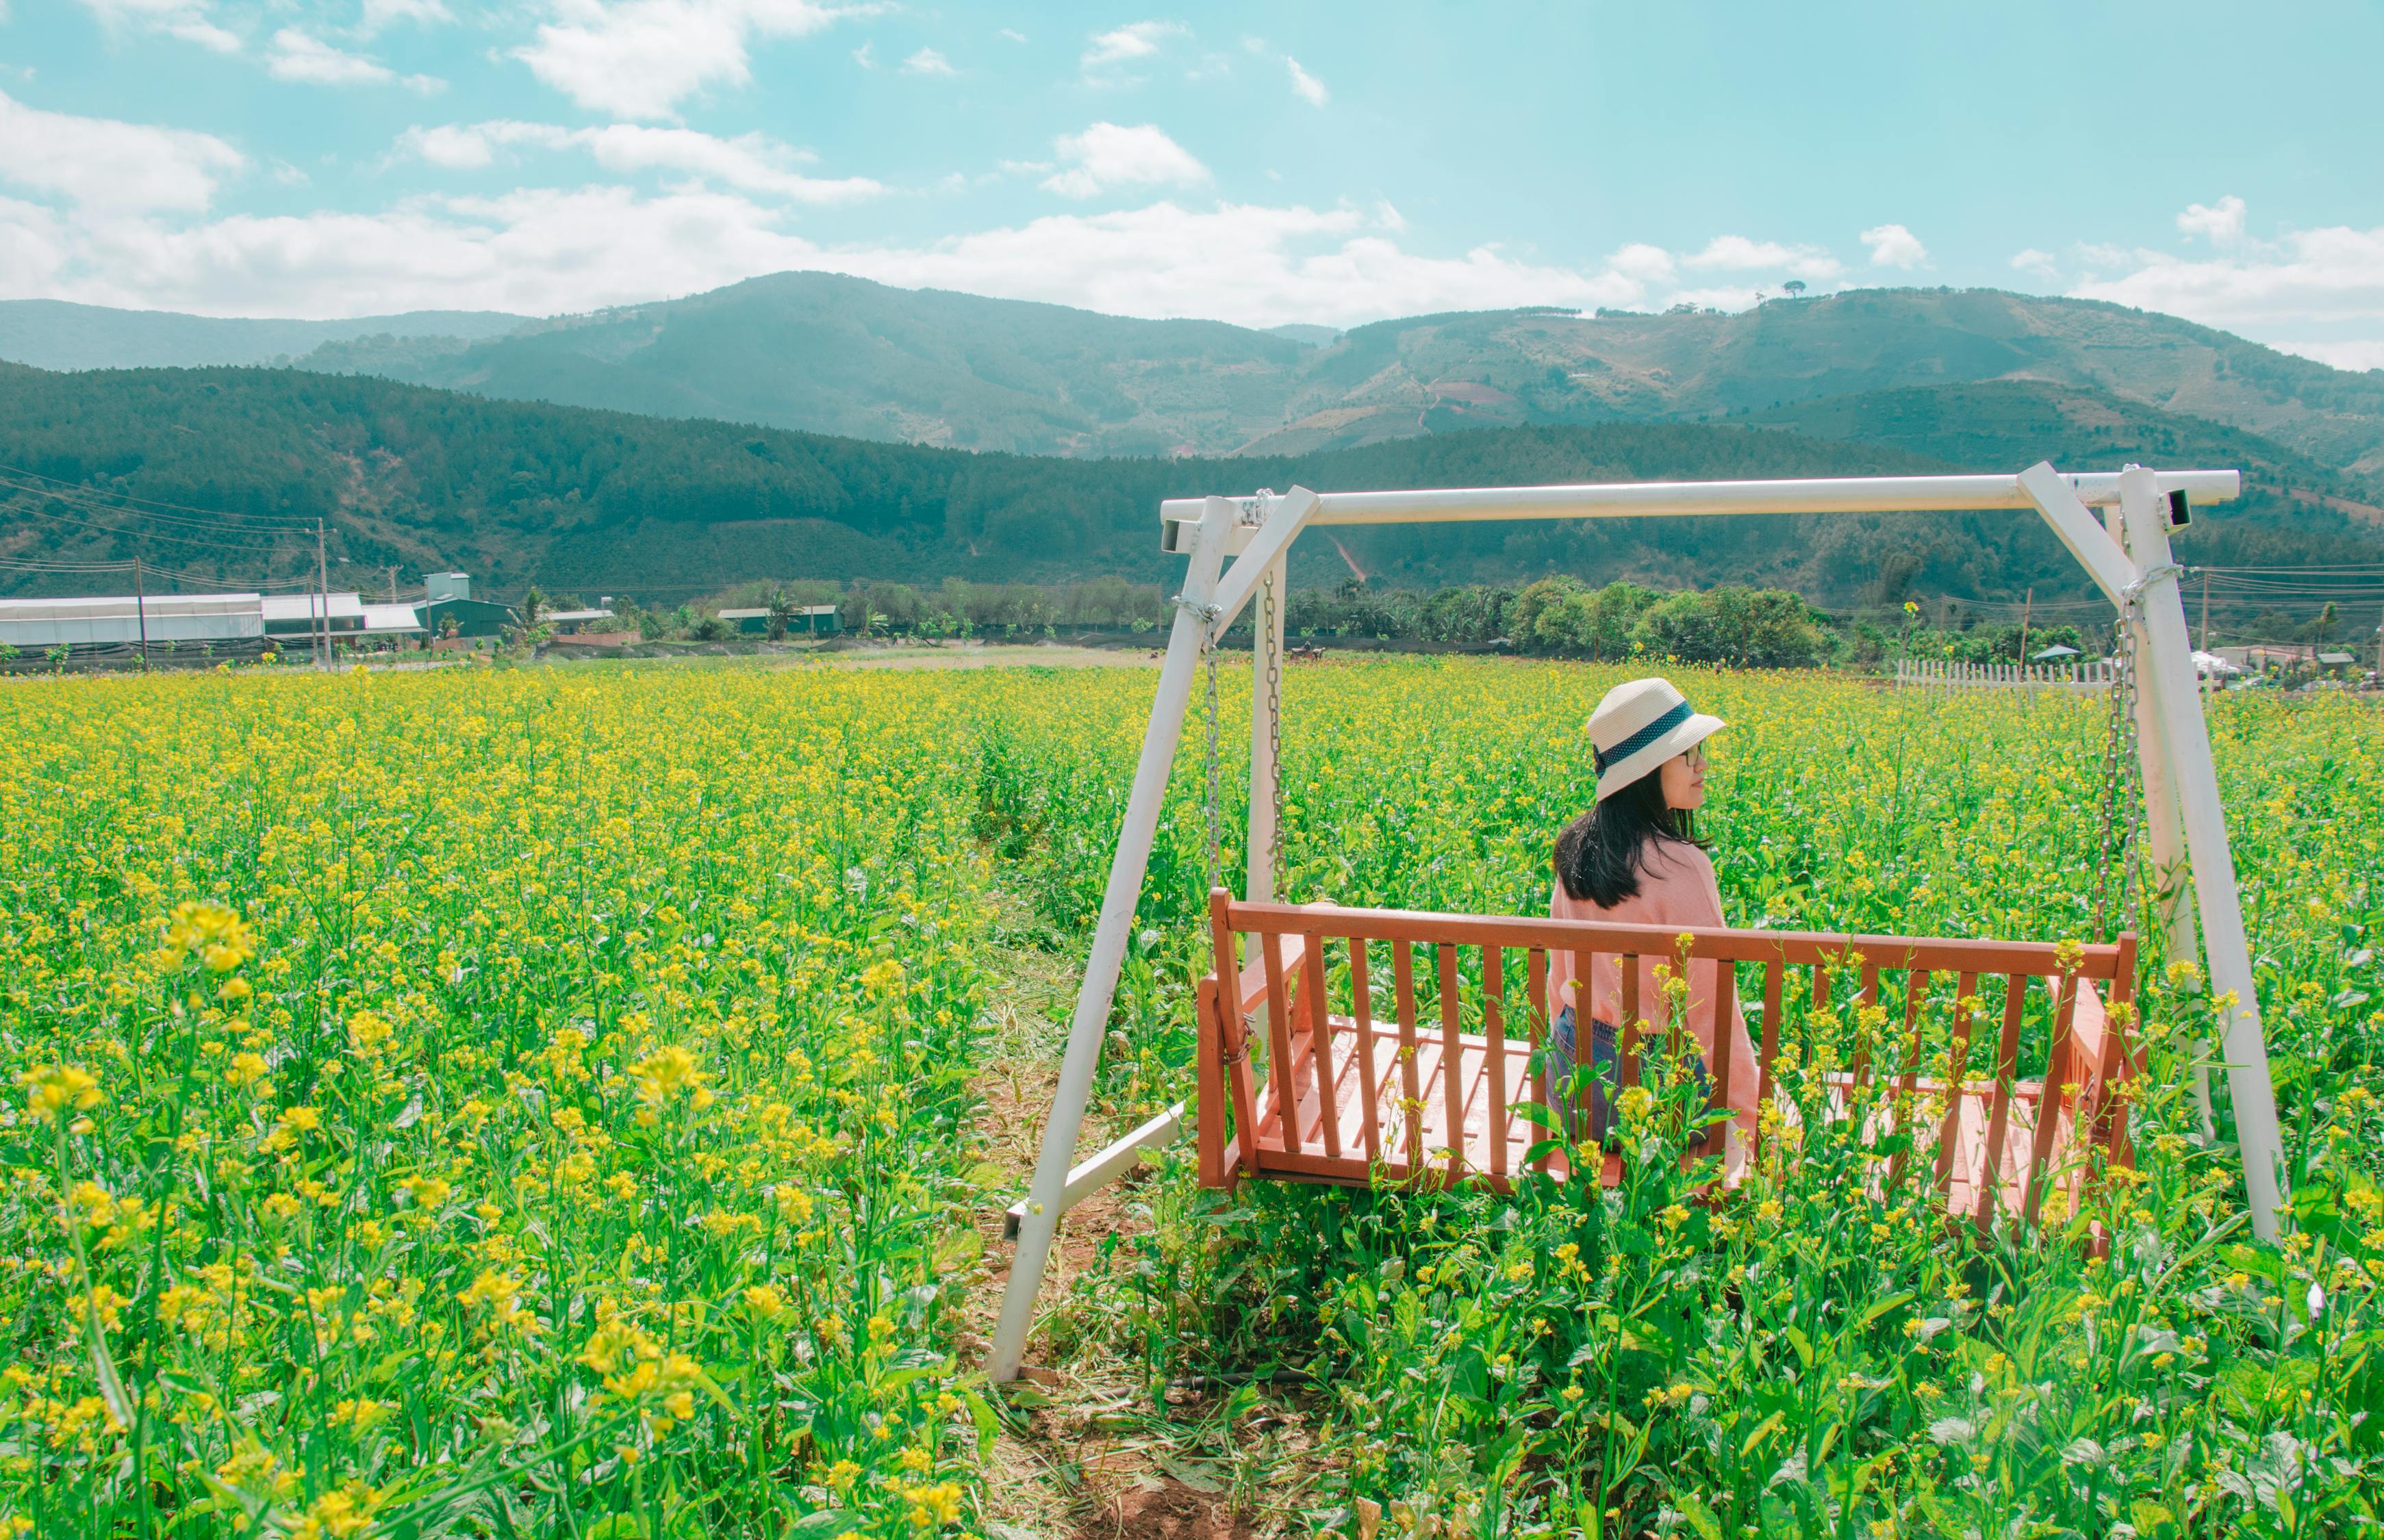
{"x": 1602, "y": 854}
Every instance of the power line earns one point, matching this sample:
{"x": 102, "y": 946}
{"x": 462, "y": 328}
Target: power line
{"x": 166, "y": 509}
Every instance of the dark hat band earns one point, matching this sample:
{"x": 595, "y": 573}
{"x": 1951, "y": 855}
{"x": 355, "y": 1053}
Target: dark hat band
{"x": 1602, "y": 758}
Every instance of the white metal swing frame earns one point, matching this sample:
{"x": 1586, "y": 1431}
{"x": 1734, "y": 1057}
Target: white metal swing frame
{"x": 2126, "y": 554}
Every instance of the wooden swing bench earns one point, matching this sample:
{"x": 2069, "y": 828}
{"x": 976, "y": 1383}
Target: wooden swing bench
{"x": 1398, "y": 1100}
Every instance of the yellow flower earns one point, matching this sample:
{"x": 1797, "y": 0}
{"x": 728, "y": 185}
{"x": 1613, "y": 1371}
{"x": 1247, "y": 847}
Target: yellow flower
{"x": 668, "y": 1072}
{"x": 53, "y": 1090}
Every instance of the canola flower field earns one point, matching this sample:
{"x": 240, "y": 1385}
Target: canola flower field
{"x": 539, "y": 1102}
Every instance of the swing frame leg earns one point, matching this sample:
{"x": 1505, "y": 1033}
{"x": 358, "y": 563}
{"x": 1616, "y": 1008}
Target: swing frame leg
{"x": 2177, "y": 754}
{"x": 1206, "y": 599}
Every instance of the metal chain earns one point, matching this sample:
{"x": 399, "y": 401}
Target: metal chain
{"x": 1216, "y": 781}
{"x": 2131, "y": 790}
{"x": 2120, "y": 846}
{"x": 1274, "y": 733}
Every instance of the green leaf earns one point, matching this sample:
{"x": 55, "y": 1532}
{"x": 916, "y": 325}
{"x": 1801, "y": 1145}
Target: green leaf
{"x": 988, "y": 1422}
{"x": 826, "y": 1524}
{"x": 1700, "y": 1518}
{"x": 1893, "y": 1301}
{"x": 1198, "y": 1477}
{"x": 1762, "y": 1430}
{"x": 1803, "y": 1349}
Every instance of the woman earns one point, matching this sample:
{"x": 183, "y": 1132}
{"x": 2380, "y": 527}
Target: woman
{"x": 1634, "y": 859}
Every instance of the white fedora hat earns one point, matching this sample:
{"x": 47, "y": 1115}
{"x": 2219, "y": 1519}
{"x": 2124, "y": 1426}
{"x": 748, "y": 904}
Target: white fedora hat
{"x": 1638, "y": 726}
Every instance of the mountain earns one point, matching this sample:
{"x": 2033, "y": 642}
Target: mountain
{"x": 825, "y": 354}
{"x": 603, "y": 502}
{"x": 52, "y": 334}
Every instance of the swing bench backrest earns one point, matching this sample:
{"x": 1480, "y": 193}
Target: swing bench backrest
{"x": 1424, "y": 1083}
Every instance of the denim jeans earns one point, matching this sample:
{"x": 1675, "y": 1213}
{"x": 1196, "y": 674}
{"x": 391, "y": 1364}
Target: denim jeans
{"x": 1604, "y": 1054}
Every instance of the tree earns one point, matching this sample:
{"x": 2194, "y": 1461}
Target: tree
{"x": 1795, "y": 288}
{"x": 782, "y": 612}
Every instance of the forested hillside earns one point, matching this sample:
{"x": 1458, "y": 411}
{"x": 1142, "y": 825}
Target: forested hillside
{"x": 514, "y": 492}
{"x": 825, "y": 354}
{"x": 54, "y": 334}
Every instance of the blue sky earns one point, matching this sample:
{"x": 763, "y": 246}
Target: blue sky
{"x": 1256, "y": 163}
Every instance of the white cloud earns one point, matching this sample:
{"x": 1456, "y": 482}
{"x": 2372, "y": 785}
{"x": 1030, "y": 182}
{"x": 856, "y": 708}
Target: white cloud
{"x": 1128, "y": 44}
{"x": 1736, "y": 253}
{"x": 296, "y": 57}
{"x": 2367, "y": 353}
{"x": 2303, "y": 284}
{"x": 1894, "y": 246}
{"x": 1305, "y": 85}
{"x": 2036, "y": 264}
{"x": 379, "y": 15}
{"x": 1390, "y": 218}
{"x": 752, "y": 163}
{"x": 2221, "y": 224}
{"x": 866, "y": 55}
{"x": 100, "y": 163}
{"x": 926, "y": 61}
{"x": 1108, "y": 155}
{"x": 1012, "y": 33}
{"x": 638, "y": 58}
{"x": 1642, "y": 262}
{"x": 544, "y": 251}
{"x": 186, "y": 19}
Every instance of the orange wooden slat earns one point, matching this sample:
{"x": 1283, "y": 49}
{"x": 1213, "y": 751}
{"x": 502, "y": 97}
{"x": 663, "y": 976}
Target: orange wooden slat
{"x": 1282, "y": 1071}
{"x": 1916, "y": 992}
{"x": 1868, "y": 997}
{"x": 1452, "y": 1062}
{"x": 1494, "y": 1036}
{"x": 1772, "y": 981}
{"x": 1233, "y": 1036}
{"x": 1626, "y": 1037}
{"x": 1536, "y": 981}
{"x": 1999, "y": 1117}
{"x": 2123, "y": 1044}
{"x": 1210, "y": 1053}
{"x": 1725, "y": 1003}
{"x": 2057, "y": 1071}
{"x": 1361, "y": 1016}
{"x": 1957, "y": 1069}
{"x": 1411, "y": 1108}
{"x": 1314, "y": 1011}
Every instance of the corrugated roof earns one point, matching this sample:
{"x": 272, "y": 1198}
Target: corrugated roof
{"x": 306, "y": 607}
{"x": 126, "y": 607}
{"x": 392, "y": 617}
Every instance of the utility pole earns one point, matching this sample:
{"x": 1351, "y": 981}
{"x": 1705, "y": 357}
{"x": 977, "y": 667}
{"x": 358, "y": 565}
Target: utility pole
{"x": 140, "y": 609}
{"x": 392, "y": 585}
{"x": 322, "y": 598}
{"x": 2027, "y": 611}
{"x": 2206, "y": 610}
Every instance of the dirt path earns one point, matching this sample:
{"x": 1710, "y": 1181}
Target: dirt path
{"x": 1090, "y": 1456}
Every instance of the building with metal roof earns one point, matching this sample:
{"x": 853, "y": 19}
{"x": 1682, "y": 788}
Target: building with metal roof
{"x": 299, "y": 616}
{"x": 813, "y": 620}
{"x": 128, "y": 619}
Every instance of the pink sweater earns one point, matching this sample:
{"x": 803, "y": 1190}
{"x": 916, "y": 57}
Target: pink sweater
{"x": 1676, "y": 889}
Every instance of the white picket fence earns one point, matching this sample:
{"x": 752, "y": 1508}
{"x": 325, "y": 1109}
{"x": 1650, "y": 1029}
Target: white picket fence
{"x": 2082, "y": 674}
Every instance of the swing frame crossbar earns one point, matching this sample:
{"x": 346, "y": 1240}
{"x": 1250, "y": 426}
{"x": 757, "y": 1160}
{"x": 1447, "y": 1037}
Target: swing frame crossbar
{"x": 2125, "y": 551}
